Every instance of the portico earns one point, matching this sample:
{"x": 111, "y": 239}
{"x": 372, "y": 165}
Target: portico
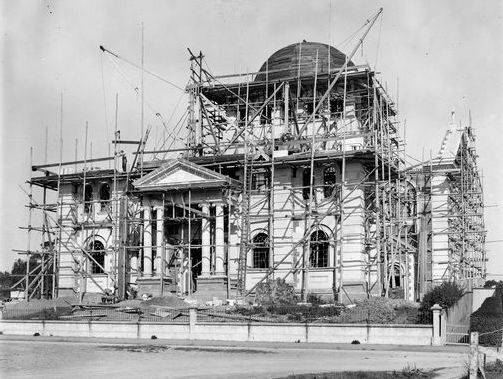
{"x": 185, "y": 242}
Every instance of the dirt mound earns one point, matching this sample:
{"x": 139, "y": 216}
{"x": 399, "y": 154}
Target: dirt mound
{"x": 133, "y": 303}
{"x": 60, "y": 302}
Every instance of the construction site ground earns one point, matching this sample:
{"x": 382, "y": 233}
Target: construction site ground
{"x": 172, "y": 309}
{"x": 92, "y": 308}
{"x": 22, "y": 357}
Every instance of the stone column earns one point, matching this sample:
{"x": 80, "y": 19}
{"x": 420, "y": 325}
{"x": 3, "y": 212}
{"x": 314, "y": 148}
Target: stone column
{"x": 147, "y": 241}
{"x": 219, "y": 239}
{"x": 205, "y": 240}
{"x": 160, "y": 250}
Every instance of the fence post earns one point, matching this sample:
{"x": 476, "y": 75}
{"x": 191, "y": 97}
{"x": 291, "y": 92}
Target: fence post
{"x": 437, "y": 332}
{"x": 474, "y": 354}
{"x": 443, "y": 326}
{"x": 192, "y": 318}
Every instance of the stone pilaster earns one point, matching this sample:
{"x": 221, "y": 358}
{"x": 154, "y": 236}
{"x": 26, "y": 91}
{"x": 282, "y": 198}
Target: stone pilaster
{"x": 160, "y": 257}
{"x": 147, "y": 241}
{"x": 219, "y": 240}
{"x": 205, "y": 241}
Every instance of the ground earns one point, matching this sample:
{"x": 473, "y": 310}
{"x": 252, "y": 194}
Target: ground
{"x": 83, "y": 358}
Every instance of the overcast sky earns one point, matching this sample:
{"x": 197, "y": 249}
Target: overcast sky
{"x": 445, "y": 54}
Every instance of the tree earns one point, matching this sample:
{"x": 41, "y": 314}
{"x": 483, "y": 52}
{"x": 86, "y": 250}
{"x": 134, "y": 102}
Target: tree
{"x": 18, "y": 272}
{"x": 446, "y": 295}
{"x": 6, "y": 280}
{"x": 275, "y": 292}
{"x": 493, "y": 284}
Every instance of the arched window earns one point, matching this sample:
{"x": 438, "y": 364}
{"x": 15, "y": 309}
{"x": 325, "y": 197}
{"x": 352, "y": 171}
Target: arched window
{"x": 261, "y": 251}
{"x": 318, "y": 248}
{"x": 410, "y": 200}
{"x": 88, "y": 198}
{"x": 306, "y": 182}
{"x": 329, "y": 180}
{"x": 97, "y": 251}
{"x": 104, "y": 197}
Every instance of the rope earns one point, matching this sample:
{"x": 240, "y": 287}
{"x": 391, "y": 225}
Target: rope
{"x": 144, "y": 70}
{"x": 181, "y": 123}
{"x": 172, "y": 135}
{"x": 494, "y": 331}
{"x": 344, "y": 42}
{"x": 124, "y": 76}
{"x": 147, "y": 103}
{"x": 164, "y": 123}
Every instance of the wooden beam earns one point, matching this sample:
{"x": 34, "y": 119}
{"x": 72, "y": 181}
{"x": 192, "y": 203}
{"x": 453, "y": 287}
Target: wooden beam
{"x": 38, "y": 167}
{"x": 126, "y": 142}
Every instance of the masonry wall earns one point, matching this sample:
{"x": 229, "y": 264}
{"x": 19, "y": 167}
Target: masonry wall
{"x": 290, "y": 225}
{"x": 440, "y": 229}
{"x": 324, "y": 333}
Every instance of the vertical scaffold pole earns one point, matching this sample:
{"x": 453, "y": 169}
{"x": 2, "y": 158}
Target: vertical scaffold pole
{"x": 307, "y": 242}
{"x": 28, "y": 252}
{"x": 56, "y": 260}
{"x": 343, "y": 186}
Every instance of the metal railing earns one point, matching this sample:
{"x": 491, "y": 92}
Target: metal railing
{"x": 223, "y": 314}
{"x": 90, "y": 313}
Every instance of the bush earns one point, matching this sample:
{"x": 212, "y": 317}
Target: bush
{"x": 446, "y": 295}
{"x": 315, "y": 299}
{"x": 493, "y": 284}
{"x": 276, "y": 292}
{"x": 488, "y": 318}
{"x": 376, "y": 310}
{"x": 498, "y": 285}
{"x": 293, "y": 313}
{"x": 302, "y": 313}
{"x": 495, "y": 368}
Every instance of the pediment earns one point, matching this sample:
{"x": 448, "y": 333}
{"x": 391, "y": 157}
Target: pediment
{"x": 180, "y": 174}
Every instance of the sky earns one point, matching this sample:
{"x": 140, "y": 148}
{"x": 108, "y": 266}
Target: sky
{"x": 432, "y": 56}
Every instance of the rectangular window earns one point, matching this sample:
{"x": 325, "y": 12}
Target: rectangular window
{"x": 261, "y": 180}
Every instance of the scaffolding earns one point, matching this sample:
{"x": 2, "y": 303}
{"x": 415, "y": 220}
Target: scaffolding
{"x": 334, "y": 128}
{"x": 451, "y": 213}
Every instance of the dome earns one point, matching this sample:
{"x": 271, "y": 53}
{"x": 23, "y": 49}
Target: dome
{"x": 284, "y": 63}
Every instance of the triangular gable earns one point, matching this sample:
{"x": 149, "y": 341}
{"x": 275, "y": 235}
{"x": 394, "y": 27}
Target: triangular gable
{"x": 179, "y": 174}
{"x": 450, "y": 145}
{"x": 451, "y": 142}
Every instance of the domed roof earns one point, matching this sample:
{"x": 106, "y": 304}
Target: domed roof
{"x": 284, "y": 63}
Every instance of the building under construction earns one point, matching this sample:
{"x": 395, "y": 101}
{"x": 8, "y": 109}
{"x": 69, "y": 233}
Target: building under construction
{"x": 297, "y": 171}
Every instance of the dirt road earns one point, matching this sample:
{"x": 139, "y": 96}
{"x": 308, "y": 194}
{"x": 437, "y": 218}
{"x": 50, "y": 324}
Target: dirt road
{"x": 168, "y": 359}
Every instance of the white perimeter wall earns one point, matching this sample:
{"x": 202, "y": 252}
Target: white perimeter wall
{"x": 328, "y": 333}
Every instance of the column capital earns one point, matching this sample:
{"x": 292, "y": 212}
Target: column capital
{"x": 204, "y": 204}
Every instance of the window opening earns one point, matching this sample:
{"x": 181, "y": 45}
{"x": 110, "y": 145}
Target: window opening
{"x": 261, "y": 251}
{"x": 97, "y": 251}
{"x": 329, "y": 181}
{"x": 105, "y": 197}
{"x": 88, "y": 198}
{"x": 318, "y": 249}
